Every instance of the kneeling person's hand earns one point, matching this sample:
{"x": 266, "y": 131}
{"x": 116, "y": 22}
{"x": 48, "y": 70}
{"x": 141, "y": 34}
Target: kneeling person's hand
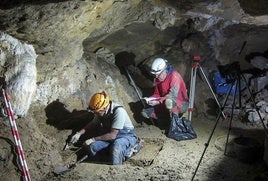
{"x": 75, "y": 138}
{"x": 89, "y": 141}
{"x": 153, "y": 102}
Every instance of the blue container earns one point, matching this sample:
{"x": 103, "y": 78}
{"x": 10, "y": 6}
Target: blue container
{"x": 222, "y": 85}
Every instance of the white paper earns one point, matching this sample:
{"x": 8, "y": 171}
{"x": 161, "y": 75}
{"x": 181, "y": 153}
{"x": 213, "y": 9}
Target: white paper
{"x": 147, "y": 99}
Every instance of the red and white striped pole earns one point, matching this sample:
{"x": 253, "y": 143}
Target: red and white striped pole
{"x": 16, "y": 136}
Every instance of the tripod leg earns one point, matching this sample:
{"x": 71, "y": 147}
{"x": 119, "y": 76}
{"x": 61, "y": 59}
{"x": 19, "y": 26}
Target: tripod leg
{"x": 239, "y": 91}
{"x": 192, "y": 93}
{"x": 231, "y": 117}
{"x": 217, "y": 120}
{"x": 255, "y": 105}
{"x": 206, "y": 145}
{"x": 211, "y": 90}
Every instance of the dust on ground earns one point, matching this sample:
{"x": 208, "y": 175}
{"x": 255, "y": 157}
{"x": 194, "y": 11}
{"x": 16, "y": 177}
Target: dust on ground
{"x": 161, "y": 158}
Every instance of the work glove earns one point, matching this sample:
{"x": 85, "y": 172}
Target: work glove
{"x": 89, "y": 141}
{"x": 75, "y": 137}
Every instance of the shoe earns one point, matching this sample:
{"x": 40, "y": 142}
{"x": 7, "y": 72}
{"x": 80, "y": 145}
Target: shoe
{"x": 144, "y": 114}
{"x": 186, "y": 115}
{"x": 136, "y": 148}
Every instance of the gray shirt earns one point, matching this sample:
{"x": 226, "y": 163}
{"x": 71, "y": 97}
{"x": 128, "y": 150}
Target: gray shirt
{"x": 115, "y": 117}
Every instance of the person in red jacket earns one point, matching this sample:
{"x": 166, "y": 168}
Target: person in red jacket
{"x": 170, "y": 93}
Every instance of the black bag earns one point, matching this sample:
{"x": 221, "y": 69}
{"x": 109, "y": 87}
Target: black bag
{"x": 181, "y": 129}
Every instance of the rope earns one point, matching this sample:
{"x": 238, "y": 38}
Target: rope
{"x": 16, "y": 136}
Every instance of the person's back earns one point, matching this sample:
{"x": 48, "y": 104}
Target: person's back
{"x": 116, "y": 117}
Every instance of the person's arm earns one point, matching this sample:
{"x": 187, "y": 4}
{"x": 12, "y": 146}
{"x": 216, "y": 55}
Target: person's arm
{"x": 89, "y": 126}
{"x": 108, "y": 136}
{"x": 174, "y": 87}
{"x": 156, "y": 92}
{"x": 175, "y": 83}
{"x": 118, "y": 122}
{"x": 157, "y": 97}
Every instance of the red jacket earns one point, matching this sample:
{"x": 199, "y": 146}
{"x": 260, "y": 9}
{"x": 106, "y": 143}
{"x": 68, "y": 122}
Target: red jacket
{"x": 162, "y": 89}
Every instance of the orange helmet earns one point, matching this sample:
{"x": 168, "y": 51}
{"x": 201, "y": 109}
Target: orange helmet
{"x": 99, "y": 101}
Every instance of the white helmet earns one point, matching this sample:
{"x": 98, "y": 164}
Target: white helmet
{"x": 158, "y": 65}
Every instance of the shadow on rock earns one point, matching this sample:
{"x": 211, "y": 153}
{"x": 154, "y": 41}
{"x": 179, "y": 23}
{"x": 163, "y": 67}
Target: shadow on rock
{"x": 136, "y": 108}
{"x": 61, "y": 118}
{"x": 124, "y": 59}
{"x": 213, "y": 107}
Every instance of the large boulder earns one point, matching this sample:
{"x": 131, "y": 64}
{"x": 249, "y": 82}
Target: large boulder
{"x": 19, "y": 72}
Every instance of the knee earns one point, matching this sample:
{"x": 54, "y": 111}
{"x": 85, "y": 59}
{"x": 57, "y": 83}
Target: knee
{"x": 116, "y": 148}
{"x": 117, "y": 157}
{"x": 169, "y": 103}
{"x": 91, "y": 150}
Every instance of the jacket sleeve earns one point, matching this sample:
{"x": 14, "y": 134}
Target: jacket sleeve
{"x": 175, "y": 83}
{"x": 156, "y": 92}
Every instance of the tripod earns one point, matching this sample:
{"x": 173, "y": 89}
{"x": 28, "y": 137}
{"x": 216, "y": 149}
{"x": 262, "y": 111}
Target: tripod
{"x": 236, "y": 75}
{"x": 195, "y": 66}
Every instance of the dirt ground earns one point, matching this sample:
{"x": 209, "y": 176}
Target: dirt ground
{"x": 161, "y": 158}
{"x": 165, "y": 159}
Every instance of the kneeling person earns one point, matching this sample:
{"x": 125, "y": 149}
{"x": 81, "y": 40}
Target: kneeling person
{"x": 118, "y": 130}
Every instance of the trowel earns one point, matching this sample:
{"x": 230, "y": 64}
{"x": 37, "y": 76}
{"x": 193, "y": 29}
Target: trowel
{"x": 60, "y": 170}
{"x": 67, "y": 146}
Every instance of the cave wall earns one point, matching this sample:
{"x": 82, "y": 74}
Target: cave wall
{"x": 67, "y": 34}
{"x": 78, "y": 42}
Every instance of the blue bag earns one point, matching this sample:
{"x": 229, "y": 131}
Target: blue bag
{"x": 222, "y": 85}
